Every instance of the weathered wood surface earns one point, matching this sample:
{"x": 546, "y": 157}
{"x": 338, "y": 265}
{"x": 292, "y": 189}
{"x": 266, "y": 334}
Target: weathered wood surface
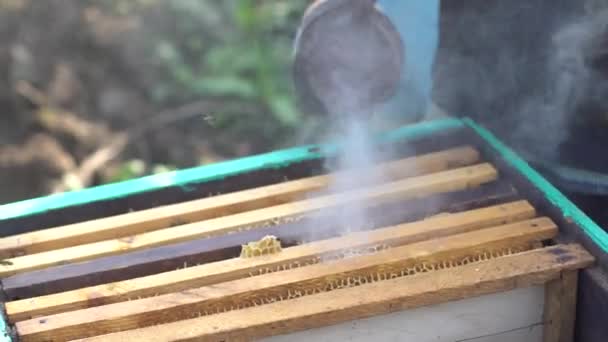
{"x": 216, "y": 206}
{"x": 560, "y": 308}
{"x": 446, "y": 181}
{"x": 252, "y": 291}
{"x": 218, "y": 253}
{"x": 184, "y": 279}
{"x": 466, "y": 320}
{"x": 168, "y": 258}
{"x": 532, "y": 268}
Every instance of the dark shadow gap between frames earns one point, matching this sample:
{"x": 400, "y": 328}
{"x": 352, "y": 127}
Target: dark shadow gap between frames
{"x": 168, "y": 258}
{"x": 152, "y": 199}
{"x": 593, "y": 282}
{"x": 193, "y": 191}
{"x": 569, "y": 230}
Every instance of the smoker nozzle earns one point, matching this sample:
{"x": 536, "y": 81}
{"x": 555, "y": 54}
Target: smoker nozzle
{"x": 348, "y": 58}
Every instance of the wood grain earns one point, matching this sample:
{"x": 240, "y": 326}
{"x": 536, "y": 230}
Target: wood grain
{"x": 560, "y": 308}
{"x": 446, "y": 181}
{"x": 569, "y": 303}
{"x": 552, "y": 311}
{"x": 201, "y": 251}
{"x": 179, "y": 280}
{"x": 216, "y": 206}
{"x": 502, "y": 274}
{"x": 189, "y": 303}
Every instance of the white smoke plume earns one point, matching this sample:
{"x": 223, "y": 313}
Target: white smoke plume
{"x": 521, "y": 68}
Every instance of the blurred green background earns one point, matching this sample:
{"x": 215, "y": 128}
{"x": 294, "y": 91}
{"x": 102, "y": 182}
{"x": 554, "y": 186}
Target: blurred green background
{"x": 97, "y": 91}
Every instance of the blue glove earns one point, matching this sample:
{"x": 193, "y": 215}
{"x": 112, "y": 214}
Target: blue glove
{"x": 418, "y": 24}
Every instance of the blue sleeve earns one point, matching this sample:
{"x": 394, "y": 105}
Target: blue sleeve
{"x": 418, "y": 24}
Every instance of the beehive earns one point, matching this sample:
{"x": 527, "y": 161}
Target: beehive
{"x": 457, "y": 236}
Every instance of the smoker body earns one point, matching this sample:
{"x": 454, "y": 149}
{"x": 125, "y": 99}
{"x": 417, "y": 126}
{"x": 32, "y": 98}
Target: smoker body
{"x": 299, "y": 163}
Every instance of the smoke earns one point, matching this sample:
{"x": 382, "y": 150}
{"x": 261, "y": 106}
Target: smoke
{"x": 546, "y": 119}
{"x": 348, "y": 63}
{"x": 519, "y": 67}
{"x": 359, "y": 159}
{"x": 354, "y": 168}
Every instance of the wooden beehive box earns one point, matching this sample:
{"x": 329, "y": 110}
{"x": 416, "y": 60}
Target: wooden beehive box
{"x": 467, "y": 244}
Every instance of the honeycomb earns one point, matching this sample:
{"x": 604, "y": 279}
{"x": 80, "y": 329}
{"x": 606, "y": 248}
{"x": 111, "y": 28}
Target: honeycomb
{"x": 267, "y": 245}
{"x": 379, "y": 273}
{"x": 338, "y": 255}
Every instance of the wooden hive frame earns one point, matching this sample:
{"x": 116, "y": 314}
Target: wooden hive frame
{"x": 479, "y": 222}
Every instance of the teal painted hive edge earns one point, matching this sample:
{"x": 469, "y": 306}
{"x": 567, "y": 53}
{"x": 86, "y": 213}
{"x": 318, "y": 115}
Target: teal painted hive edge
{"x": 5, "y": 330}
{"x": 202, "y": 174}
{"x": 551, "y": 193}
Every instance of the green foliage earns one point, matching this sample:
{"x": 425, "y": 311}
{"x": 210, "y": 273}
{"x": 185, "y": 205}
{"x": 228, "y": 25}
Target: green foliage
{"x": 237, "y": 50}
{"x": 137, "y": 168}
{"x": 128, "y": 170}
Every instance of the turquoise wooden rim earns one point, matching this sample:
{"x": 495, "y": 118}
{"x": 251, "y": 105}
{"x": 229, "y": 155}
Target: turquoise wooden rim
{"x": 286, "y": 157}
{"x": 188, "y": 177}
{"x": 5, "y": 335}
{"x": 568, "y": 209}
